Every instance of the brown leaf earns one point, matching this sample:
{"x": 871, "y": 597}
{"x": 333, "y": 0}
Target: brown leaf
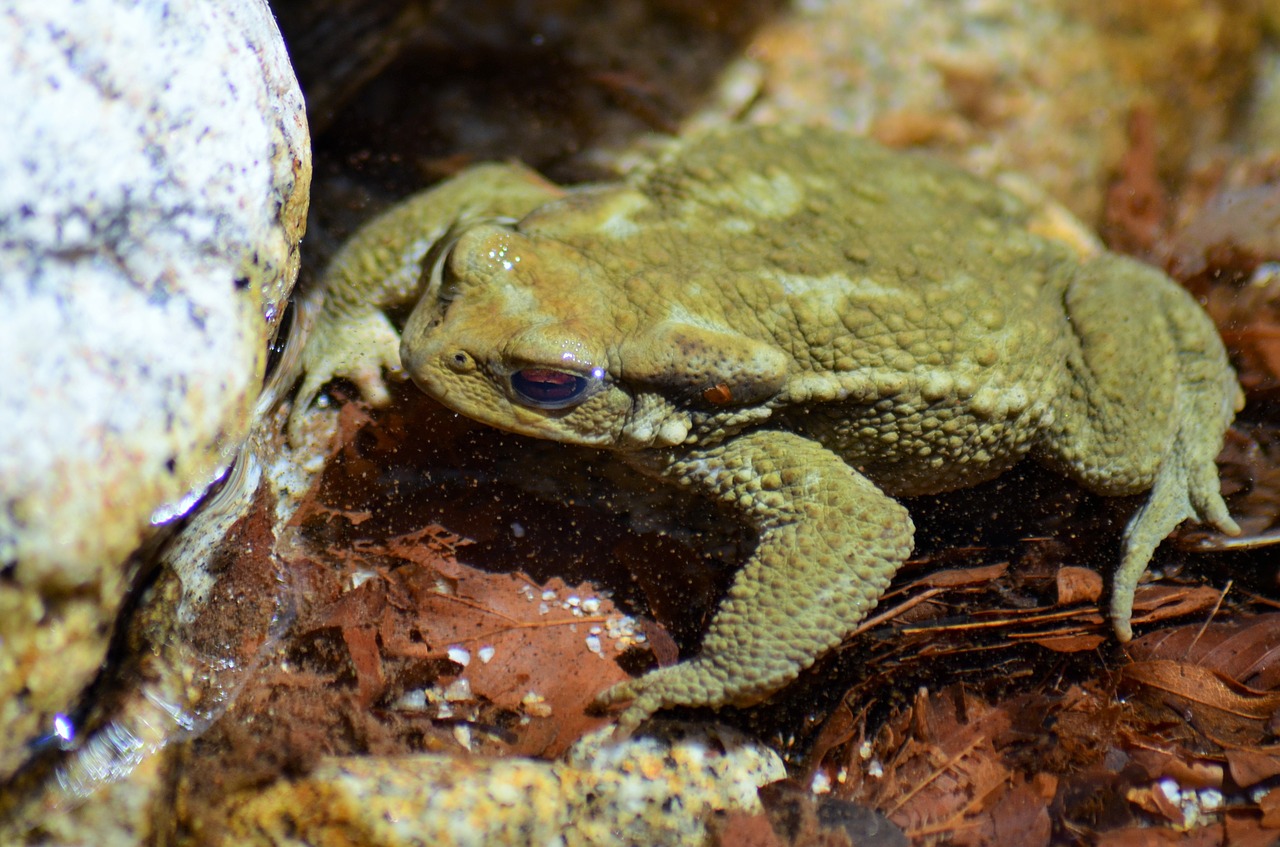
{"x": 1246, "y": 650}
{"x": 1182, "y": 767}
{"x": 1249, "y": 767}
{"x": 1154, "y": 603}
{"x": 1021, "y": 816}
{"x": 421, "y": 618}
{"x": 1221, "y": 709}
{"x": 1073, "y": 643}
{"x": 1244, "y": 829}
{"x": 362, "y": 645}
{"x": 1270, "y": 805}
{"x": 1203, "y": 687}
{"x": 947, "y": 770}
{"x": 550, "y": 642}
{"x": 954, "y": 577}
{"x": 1078, "y": 585}
{"x": 838, "y": 729}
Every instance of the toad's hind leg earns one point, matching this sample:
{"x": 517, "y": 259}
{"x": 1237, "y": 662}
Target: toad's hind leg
{"x": 1150, "y": 397}
{"x": 829, "y": 542}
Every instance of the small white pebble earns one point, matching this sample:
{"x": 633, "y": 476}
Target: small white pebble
{"x": 517, "y": 529}
{"x": 821, "y": 783}
{"x": 543, "y": 608}
{"x": 486, "y": 653}
{"x": 864, "y": 750}
{"x": 458, "y": 653}
{"x": 573, "y": 600}
{"x": 414, "y": 700}
{"x": 548, "y": 595}
{"x": 593, "y": 644}
{"x": 591, "y": 605}
{"x": 359, "y": 578}
{"x": 875, "y": 770}
{"x": 535, "y": 705}
{"x": 444, "y": 710}
{"x": 462, "y": 735}
{"x": 459, "y": 690}
{"x": 1211, "y": 799}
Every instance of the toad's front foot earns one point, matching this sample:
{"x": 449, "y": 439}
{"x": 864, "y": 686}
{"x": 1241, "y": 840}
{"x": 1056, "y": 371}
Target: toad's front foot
{"x": 829, "y": 542}
{"x": 358, "y": 347}
{"x": 693, "y": 683}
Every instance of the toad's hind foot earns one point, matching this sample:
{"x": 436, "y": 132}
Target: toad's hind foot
{"x": 1151, "y": 396}
{"x": 1186, "y": 485}
{"x": 1186, "y": 488}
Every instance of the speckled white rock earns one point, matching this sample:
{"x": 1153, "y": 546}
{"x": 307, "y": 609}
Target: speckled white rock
{"x": 154, "y": 167}
{"x": 656, "y": 790}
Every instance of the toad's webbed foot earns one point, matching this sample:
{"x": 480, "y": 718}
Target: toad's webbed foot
{"x": 1151, "y": 397}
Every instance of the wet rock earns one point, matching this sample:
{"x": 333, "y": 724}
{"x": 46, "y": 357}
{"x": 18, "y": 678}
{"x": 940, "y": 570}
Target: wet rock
{"x": 644, "y": 791}
{"x": 153, "y": 190}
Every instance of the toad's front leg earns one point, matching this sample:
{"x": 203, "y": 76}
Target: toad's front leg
{"x": 829, "y": 543}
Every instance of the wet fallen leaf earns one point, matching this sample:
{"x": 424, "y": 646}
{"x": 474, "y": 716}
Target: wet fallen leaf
{"x": 1246, "y": 650}
{"x": 1249, "y": 767}
{"x": 1078, "y": 585}
{"x": 1223, "y": 710}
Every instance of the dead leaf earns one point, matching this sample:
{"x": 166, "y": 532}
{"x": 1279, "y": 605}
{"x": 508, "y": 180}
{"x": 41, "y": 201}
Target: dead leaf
{"x": 1246, "y": 650}
{"x": 1153, "y": 603}
{"x": 1216, "y": 706}
{"x": 1078, "y": 585}
{"x": 1246, "y": 829}
{"x": 1073, "y": 643}
{"x": 1270, "y": 806}
{"x": 1249, "y": 767}
{"x": 1184, "y": 768}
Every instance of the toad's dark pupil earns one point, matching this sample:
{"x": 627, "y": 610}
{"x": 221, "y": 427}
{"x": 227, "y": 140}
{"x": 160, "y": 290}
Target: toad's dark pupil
{"x": 543, "y": 385}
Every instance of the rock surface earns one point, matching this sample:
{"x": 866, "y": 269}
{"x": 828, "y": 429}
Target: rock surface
{"x": 153, "y": 188}
{"x": 1043, "y": 89}
{"x": 644, "y": 791}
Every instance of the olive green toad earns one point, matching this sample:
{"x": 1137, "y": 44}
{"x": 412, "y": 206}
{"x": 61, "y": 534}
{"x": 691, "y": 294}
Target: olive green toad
{"x": 802, "y": 325}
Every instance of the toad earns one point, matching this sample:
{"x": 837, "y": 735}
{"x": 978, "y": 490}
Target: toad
{"x": 802, "y": 325}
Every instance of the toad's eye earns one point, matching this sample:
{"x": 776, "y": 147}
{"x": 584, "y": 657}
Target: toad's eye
{"x": 545, "y": 388}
